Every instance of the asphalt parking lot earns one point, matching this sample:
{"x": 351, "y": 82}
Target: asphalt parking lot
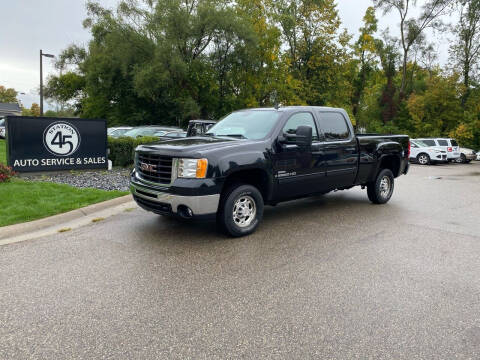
{"x": 330, "y": 277}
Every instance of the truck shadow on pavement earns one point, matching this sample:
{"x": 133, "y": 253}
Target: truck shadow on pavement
{"x": 284, "y": 219}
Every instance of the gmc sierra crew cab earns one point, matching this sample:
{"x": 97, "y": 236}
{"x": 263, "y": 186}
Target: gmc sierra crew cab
{"x": 257, "y": 157}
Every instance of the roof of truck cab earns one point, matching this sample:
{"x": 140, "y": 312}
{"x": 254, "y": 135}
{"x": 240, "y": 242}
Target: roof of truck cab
{"x": 286, "y": 108}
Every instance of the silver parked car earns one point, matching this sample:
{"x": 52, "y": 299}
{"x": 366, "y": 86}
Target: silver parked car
{"x": 118, "y": 131}
{"x": 150, "y": 130}
{"x": 466, "y": 155}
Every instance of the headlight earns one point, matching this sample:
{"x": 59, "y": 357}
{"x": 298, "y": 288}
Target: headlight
{"x": 192, "y": 168}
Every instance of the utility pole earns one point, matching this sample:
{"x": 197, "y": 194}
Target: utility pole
{"x": 41, "y": 79}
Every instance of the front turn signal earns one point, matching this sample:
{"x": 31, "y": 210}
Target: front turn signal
{"x": 202, "y": 165}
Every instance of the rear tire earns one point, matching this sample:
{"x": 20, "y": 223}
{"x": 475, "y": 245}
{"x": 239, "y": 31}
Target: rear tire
{"x": 423, "y": 159}
{"x": 462, "y": 159}
{"x": 380, "y": 191}
{"x": 241, "y": 210}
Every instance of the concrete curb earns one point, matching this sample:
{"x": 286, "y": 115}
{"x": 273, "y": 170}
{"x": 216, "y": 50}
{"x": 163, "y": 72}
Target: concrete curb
{"x": 69, "y": 220}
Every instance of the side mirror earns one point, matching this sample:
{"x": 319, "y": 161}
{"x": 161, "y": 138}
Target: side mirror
{"x": 303, "y": 138}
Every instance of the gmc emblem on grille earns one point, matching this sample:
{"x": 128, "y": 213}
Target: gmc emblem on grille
{"x": 148, "y": 167}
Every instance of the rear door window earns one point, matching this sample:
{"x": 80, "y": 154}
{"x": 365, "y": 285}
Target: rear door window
{"x": 442, "y": 142}
{"x": 334, "y": 126}
{"x": 454, "y": 142}
{"x": 429, "y": 142}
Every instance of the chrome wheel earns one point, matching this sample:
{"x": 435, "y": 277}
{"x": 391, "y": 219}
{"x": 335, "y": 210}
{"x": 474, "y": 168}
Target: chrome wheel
{"x": 385, "y": 186}
{"x": 423, "y": 160}
{"x": 244, "y": 211}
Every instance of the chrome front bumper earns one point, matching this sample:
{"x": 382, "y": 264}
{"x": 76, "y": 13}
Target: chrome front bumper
{"x": 200, "y": 205}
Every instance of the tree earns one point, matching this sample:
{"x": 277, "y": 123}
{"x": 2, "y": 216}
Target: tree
{"x": 8, "y": 95}
{"x": 61, "y": 112}
{"x": 153, "y": 61}
{"x": 388, "y": 54}
{"x": 33, "y": 111}
{"x": 465, "y": 52}
{"x": 411, "y": 28}
{"x": 437, "y": 111}
{"x": 316, "y": 53}
{"x": 366, "y": 52}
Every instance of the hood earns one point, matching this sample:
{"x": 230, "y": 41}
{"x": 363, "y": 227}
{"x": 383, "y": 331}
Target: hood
{"x": 192, "y": 145}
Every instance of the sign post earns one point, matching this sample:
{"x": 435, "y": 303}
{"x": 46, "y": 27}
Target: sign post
{"x": 52, "y": 144}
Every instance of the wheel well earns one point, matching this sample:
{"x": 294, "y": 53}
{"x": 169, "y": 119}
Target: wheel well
{"x": 255, "y": 177}
{"x": 391, "y": 162}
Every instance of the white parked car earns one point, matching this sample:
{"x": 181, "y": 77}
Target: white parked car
{"x": 447, "y": 144}
{"x": 478, "y": 155}
{"x": 426, "y": 155}
{"x": 466, "y": 155}
{"x": 2, "y": 128}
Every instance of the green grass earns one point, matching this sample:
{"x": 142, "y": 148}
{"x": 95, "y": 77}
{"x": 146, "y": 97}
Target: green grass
{"x": 22, "y": 201}
{"x": 3, "y": 152}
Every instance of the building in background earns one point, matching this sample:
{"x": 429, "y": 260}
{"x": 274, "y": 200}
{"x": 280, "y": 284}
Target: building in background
{"x": 10, "y": 109}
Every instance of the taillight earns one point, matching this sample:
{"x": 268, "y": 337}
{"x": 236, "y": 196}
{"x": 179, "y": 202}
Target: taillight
{"x": 449, "y": 149}
{"x": 409, "y": 149}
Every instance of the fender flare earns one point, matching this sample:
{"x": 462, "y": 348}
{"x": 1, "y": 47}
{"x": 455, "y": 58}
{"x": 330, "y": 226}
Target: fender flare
{"x": 384, "y": 150}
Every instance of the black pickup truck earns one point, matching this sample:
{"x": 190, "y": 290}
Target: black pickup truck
{"x": 258, "y": 157}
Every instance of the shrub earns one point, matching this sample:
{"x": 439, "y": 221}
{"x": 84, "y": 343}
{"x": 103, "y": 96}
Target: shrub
{"x": 6, "y": 173}
{"x": 122, "y": 149}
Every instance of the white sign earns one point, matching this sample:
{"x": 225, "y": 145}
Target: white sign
{"x": 61, "y": 138}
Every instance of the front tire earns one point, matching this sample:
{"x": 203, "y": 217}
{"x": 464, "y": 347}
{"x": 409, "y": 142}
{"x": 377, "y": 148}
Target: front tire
{"x": 380, "y": 191}
{"x": 423, "y": 159}
{"x": 241, "y": 210}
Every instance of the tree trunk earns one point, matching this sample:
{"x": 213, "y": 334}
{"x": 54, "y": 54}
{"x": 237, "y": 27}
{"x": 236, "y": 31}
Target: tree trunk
{"x": 404, "y": 76}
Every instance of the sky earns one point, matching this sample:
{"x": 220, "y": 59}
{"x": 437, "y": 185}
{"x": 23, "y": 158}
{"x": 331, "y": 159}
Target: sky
{"x": 52, "y": 25}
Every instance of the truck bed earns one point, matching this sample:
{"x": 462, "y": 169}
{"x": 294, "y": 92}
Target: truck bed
{"x": 368, "y": 162}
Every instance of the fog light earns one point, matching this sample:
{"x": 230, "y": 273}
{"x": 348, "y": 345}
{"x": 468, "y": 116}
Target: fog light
{"x": 185, "y": 212}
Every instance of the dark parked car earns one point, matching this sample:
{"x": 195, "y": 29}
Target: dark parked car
{"x": 260, "y": 157}
{"x": 199, "y": 127}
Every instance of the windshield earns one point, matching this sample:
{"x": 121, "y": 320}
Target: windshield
{"x": 419, "y": 143}
{"x": 141, "y": 132}
{"x": 248, "y": 124}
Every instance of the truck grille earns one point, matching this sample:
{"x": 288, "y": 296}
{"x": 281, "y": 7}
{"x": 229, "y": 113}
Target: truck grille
{"x": 155, "y": 168}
